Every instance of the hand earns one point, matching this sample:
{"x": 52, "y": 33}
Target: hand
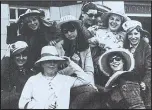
{"x": 143, "y": 86}
{"x": 52, "y": 43}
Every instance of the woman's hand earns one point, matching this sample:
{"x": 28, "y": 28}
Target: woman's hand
{"x": 143, "y": 86}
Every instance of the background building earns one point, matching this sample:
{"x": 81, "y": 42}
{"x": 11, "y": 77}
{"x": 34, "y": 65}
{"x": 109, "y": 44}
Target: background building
{"x": 11, "y": 10}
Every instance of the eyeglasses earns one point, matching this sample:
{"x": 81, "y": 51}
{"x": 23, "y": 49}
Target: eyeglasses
{"x": 66, "y": 30}
{"x": 91, "y": 15}
{"x": 117, "y": 58}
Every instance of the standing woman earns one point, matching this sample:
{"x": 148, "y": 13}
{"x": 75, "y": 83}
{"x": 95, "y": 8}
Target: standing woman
{"x": 75, "y": 45}
{"x": 15, "y": 75}
{"x": 35, "y": 31}
{"x": 142, "y": 53}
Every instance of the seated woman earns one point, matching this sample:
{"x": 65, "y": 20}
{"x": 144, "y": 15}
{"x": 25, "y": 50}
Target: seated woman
{"x": 119, "y": 84}
{"x": 136, "y": 44}
{"x": 15, "y": 75}
{"x": 49, "y": 89}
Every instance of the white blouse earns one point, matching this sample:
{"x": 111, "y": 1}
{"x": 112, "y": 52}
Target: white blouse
{"x": 39, "y": 92}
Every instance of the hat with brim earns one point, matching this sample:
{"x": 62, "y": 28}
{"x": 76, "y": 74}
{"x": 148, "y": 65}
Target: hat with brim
{"x": 105, "y": 68}
{"x": 110, "y": 83}
{"x": 48, "y": 53}
{"x": 130, "y": 25}
{"x": 18, "y": 47}
{"x": 68, "y": 18}
{"x": 30, "y": 12}
{"x": 106, "y": 15}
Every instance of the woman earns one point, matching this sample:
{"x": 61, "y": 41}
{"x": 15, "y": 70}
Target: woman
{"x": 75, "y": 45}
{"x": 119, "y": 85}
{"x": 15, "y": 75}
{"x": 112, "y": 36}
{"x": 35, "y": 31}
{"x": 141, "y": 50}
{"x": 49, "y": 89}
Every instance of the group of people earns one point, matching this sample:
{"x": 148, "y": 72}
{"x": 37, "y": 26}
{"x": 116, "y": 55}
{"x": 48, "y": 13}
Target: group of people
{"x": 102, "y": 60}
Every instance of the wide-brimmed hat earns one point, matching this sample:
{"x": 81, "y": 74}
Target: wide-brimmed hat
{"x": 68, "y": 18}
{"x": 128, "y": 26}
{"x": 102, "y": 8}
{"x": 18, "y": 47}
{"x": 127, "y": 56}
{"x": 49, "y": 53}
{"x": 106, "y": 15}
{"x": 31, "y": 12}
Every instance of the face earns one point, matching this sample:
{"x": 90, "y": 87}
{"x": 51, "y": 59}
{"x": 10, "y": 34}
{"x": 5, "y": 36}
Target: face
{"x": 20, "y": 59}
{"x": 50, "y": 67}
{"x": 89, "y": 17}
{"x": 115, "y": 22}
{"x": 134, "y": 37}
{"x": 33, "y": 22}
{"x": 99, "y": 21}
{"x": 70, "y": 31}
{"x": 116, "y": 63}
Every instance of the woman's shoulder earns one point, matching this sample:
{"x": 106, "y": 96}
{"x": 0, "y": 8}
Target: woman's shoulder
{"x": 35, "y": 77}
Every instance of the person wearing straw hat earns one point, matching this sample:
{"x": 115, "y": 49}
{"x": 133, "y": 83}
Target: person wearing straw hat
{"x": 75, "y": 46}
{"x": 15, "y": 75}
{"x": 49, "y": 89}
{"x": 35, "y": 31}
{"x": 141, "y": 50}
{"x": 119, "y": 80}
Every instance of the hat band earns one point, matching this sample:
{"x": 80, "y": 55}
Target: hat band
{"x": 48, "y": 54}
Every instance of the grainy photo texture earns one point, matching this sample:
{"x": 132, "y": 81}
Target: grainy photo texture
{"x": 76, "y": 54}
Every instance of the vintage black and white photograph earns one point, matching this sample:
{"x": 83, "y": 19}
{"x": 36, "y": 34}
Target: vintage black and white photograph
{"x": 68, "y": 54}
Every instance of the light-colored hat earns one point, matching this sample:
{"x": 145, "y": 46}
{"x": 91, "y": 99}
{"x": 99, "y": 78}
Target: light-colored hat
{"x": 128, "y": 26}
{"x": 48, "y": 53}
{"x": 68, "y": 18}
{"x": 102, "y": 8}
{"x": 18, "y": 47}
{"x": 30, "y": 12}
{"x": 106, "y": 15}
{"x": 104, "y": 67}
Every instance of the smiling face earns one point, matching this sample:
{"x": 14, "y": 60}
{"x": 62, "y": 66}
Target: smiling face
{"x": 116, "y": 63}
{"x": 20, "y": 59}
{"x": 134, "y": 37}
{"x": 50, "y": 67}
{"x": 115, "y": 22}
{"x": 32, "y": 22}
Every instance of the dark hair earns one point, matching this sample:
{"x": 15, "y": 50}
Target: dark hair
{"x": 88, "y": 6}
{"x": 13, "y": 66}
{"x": 120, "y": 55}
{"x": 139, "y": 29}
{"x": 81, "y": 40}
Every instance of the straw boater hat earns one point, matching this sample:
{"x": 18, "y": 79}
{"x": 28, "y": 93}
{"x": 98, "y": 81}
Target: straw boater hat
{"x": 18, "y": 47}
{"x": 104, "y": 67}
{"x": 30, "y": 12}
{"x": 132, "y": 24}
{"x": 68, "y": 18}
{"x": 48, "y": 53}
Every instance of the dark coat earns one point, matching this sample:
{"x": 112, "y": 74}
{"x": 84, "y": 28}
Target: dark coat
{"x": 35, "y": 39}
{"x": 12, "y": 83}
{"x": 142, "y": 69}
